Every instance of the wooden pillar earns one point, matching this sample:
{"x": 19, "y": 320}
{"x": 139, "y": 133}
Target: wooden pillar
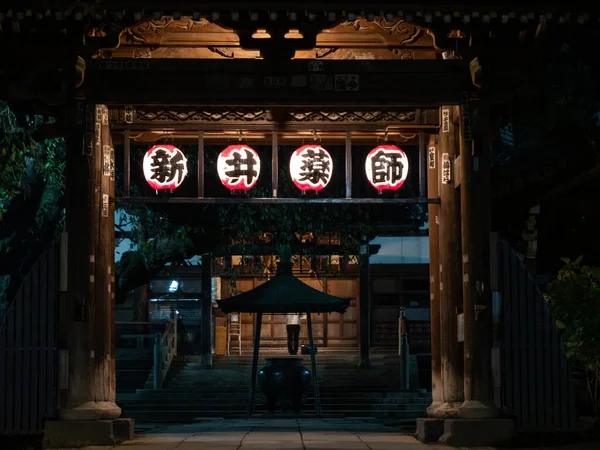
{"x": 450, "y": 265}
{"x": 434, "y": 276}
{"x": 257, "y": 332}
{"x": 90, "y": 296}
{"x": 200, "y": 174}
{"x": 206, "y": 312}
{"x": 348, "y": 153}
{"x": 364, "y": 305}
{"x": 313, "y": 365}
{"x": 141, "y": 310}
{"x": 476, "y": 228}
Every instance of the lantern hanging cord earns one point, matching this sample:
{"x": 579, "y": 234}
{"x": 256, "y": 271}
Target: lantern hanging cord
{"x": 241, "y": 136}
{"x": 316, "y": 136}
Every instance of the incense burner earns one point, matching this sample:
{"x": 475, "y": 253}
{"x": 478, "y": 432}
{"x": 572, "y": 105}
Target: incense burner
{"x": 284, "y": 380}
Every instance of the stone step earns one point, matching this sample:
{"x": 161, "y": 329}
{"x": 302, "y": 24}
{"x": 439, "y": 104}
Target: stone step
{"x": 166, "y": 402}
{"x": 248, "y": 357}
{"x": 242, "y": 407}
{"x": 375, "y": 365}
{"x": 346, "y": 386}
{"x": 244, "y": 388}
{"x": 347, "y": 405}
{"x": 193, "y": 391}
{"x": 356, "y": 381}
{"x": 247, "y": 371}
{"x": 243, "y": 394}
{"x": 127, "y": 363}
{"x": 332, "y": 371}
{"x": 130, "y": 380}
{"x": 153, "y": 416}
{"x": 222, "y": 384}
{"x": 262, "y": 356}
{"x": 242, "y": 397}
{"x": 353, "y": 381}
{"x": 248, "y": 350}
{"x": 327, "y": 369}
{"x": 319, "y": 359}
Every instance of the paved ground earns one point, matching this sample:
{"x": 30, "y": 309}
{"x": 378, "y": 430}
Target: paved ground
{"x": 276, "y": 434}
{"x": 289, "y": 434}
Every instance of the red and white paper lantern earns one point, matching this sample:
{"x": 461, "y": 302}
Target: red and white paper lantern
{"x": 386, "y": 167}
{"x": 238, "y": 167}
{"x": 165, "y": 167}
{"x": 311, "y": 167}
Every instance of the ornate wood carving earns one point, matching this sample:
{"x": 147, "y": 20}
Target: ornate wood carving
{"x": 225, "y": 52}
{"x": 404, "y": 33}
{"x": 404, "y": 53}
{"x": 346, "y": 115}
{"x": 357, "y": 39}
{"x": 323, "y": 52}
{"x": 137, "y": 34}
{"x": 182, "y": 114}
{"x": 142, "y": 52}
{"x": 249, "y": 115}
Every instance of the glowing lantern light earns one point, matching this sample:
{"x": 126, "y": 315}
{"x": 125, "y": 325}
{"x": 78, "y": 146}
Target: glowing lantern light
{"x": 386, "y": 167}
{"x": 165, "y": 167}
{"x": 238, "y": 167}
{"x": 174, "y": 286}
{"x": 311, "y": 167}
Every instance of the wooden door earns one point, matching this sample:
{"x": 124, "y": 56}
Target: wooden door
{"x": 220, "y": 335}
{"x": 342, "y": 329}
{"x": 318, "y": 320}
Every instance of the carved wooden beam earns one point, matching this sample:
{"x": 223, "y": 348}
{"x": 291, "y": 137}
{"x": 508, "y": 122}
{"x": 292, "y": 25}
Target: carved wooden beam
{"x": 281, "y": 39}
{"x": 282, "y": 118}
{"x": 297, "y": 82}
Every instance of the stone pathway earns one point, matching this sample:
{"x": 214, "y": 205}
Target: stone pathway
{"x": 275, "y": 434}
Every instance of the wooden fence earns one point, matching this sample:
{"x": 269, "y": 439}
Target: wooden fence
{"x": 536, "y": 386}
{"x": 29, "y": 352}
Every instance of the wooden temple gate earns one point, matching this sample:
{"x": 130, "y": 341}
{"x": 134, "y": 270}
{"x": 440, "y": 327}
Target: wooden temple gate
{"x": 355, "y": 78}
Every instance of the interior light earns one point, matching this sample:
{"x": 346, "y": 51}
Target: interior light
{"x": 261, "y": 33}
{"x": 294, "y": 33}
{"x": 173, "y": 286}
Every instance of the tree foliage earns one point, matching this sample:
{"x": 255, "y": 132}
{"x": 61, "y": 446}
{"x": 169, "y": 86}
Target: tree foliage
{"x": 286, "y": 223}
{"x": 158, "y": 238}
{"x": 32, "y": 188}
{"x": 547, "y": 148}
{"x": 574, "y": 299}
{"x": 154, "y": 241}
{"x": 560, "y": 103}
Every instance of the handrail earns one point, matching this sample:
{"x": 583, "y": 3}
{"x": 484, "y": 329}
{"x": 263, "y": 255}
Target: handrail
{"x": 165, "y": 349}
{"x": 164, "y": 335}
{"x": 404, "y": 362}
